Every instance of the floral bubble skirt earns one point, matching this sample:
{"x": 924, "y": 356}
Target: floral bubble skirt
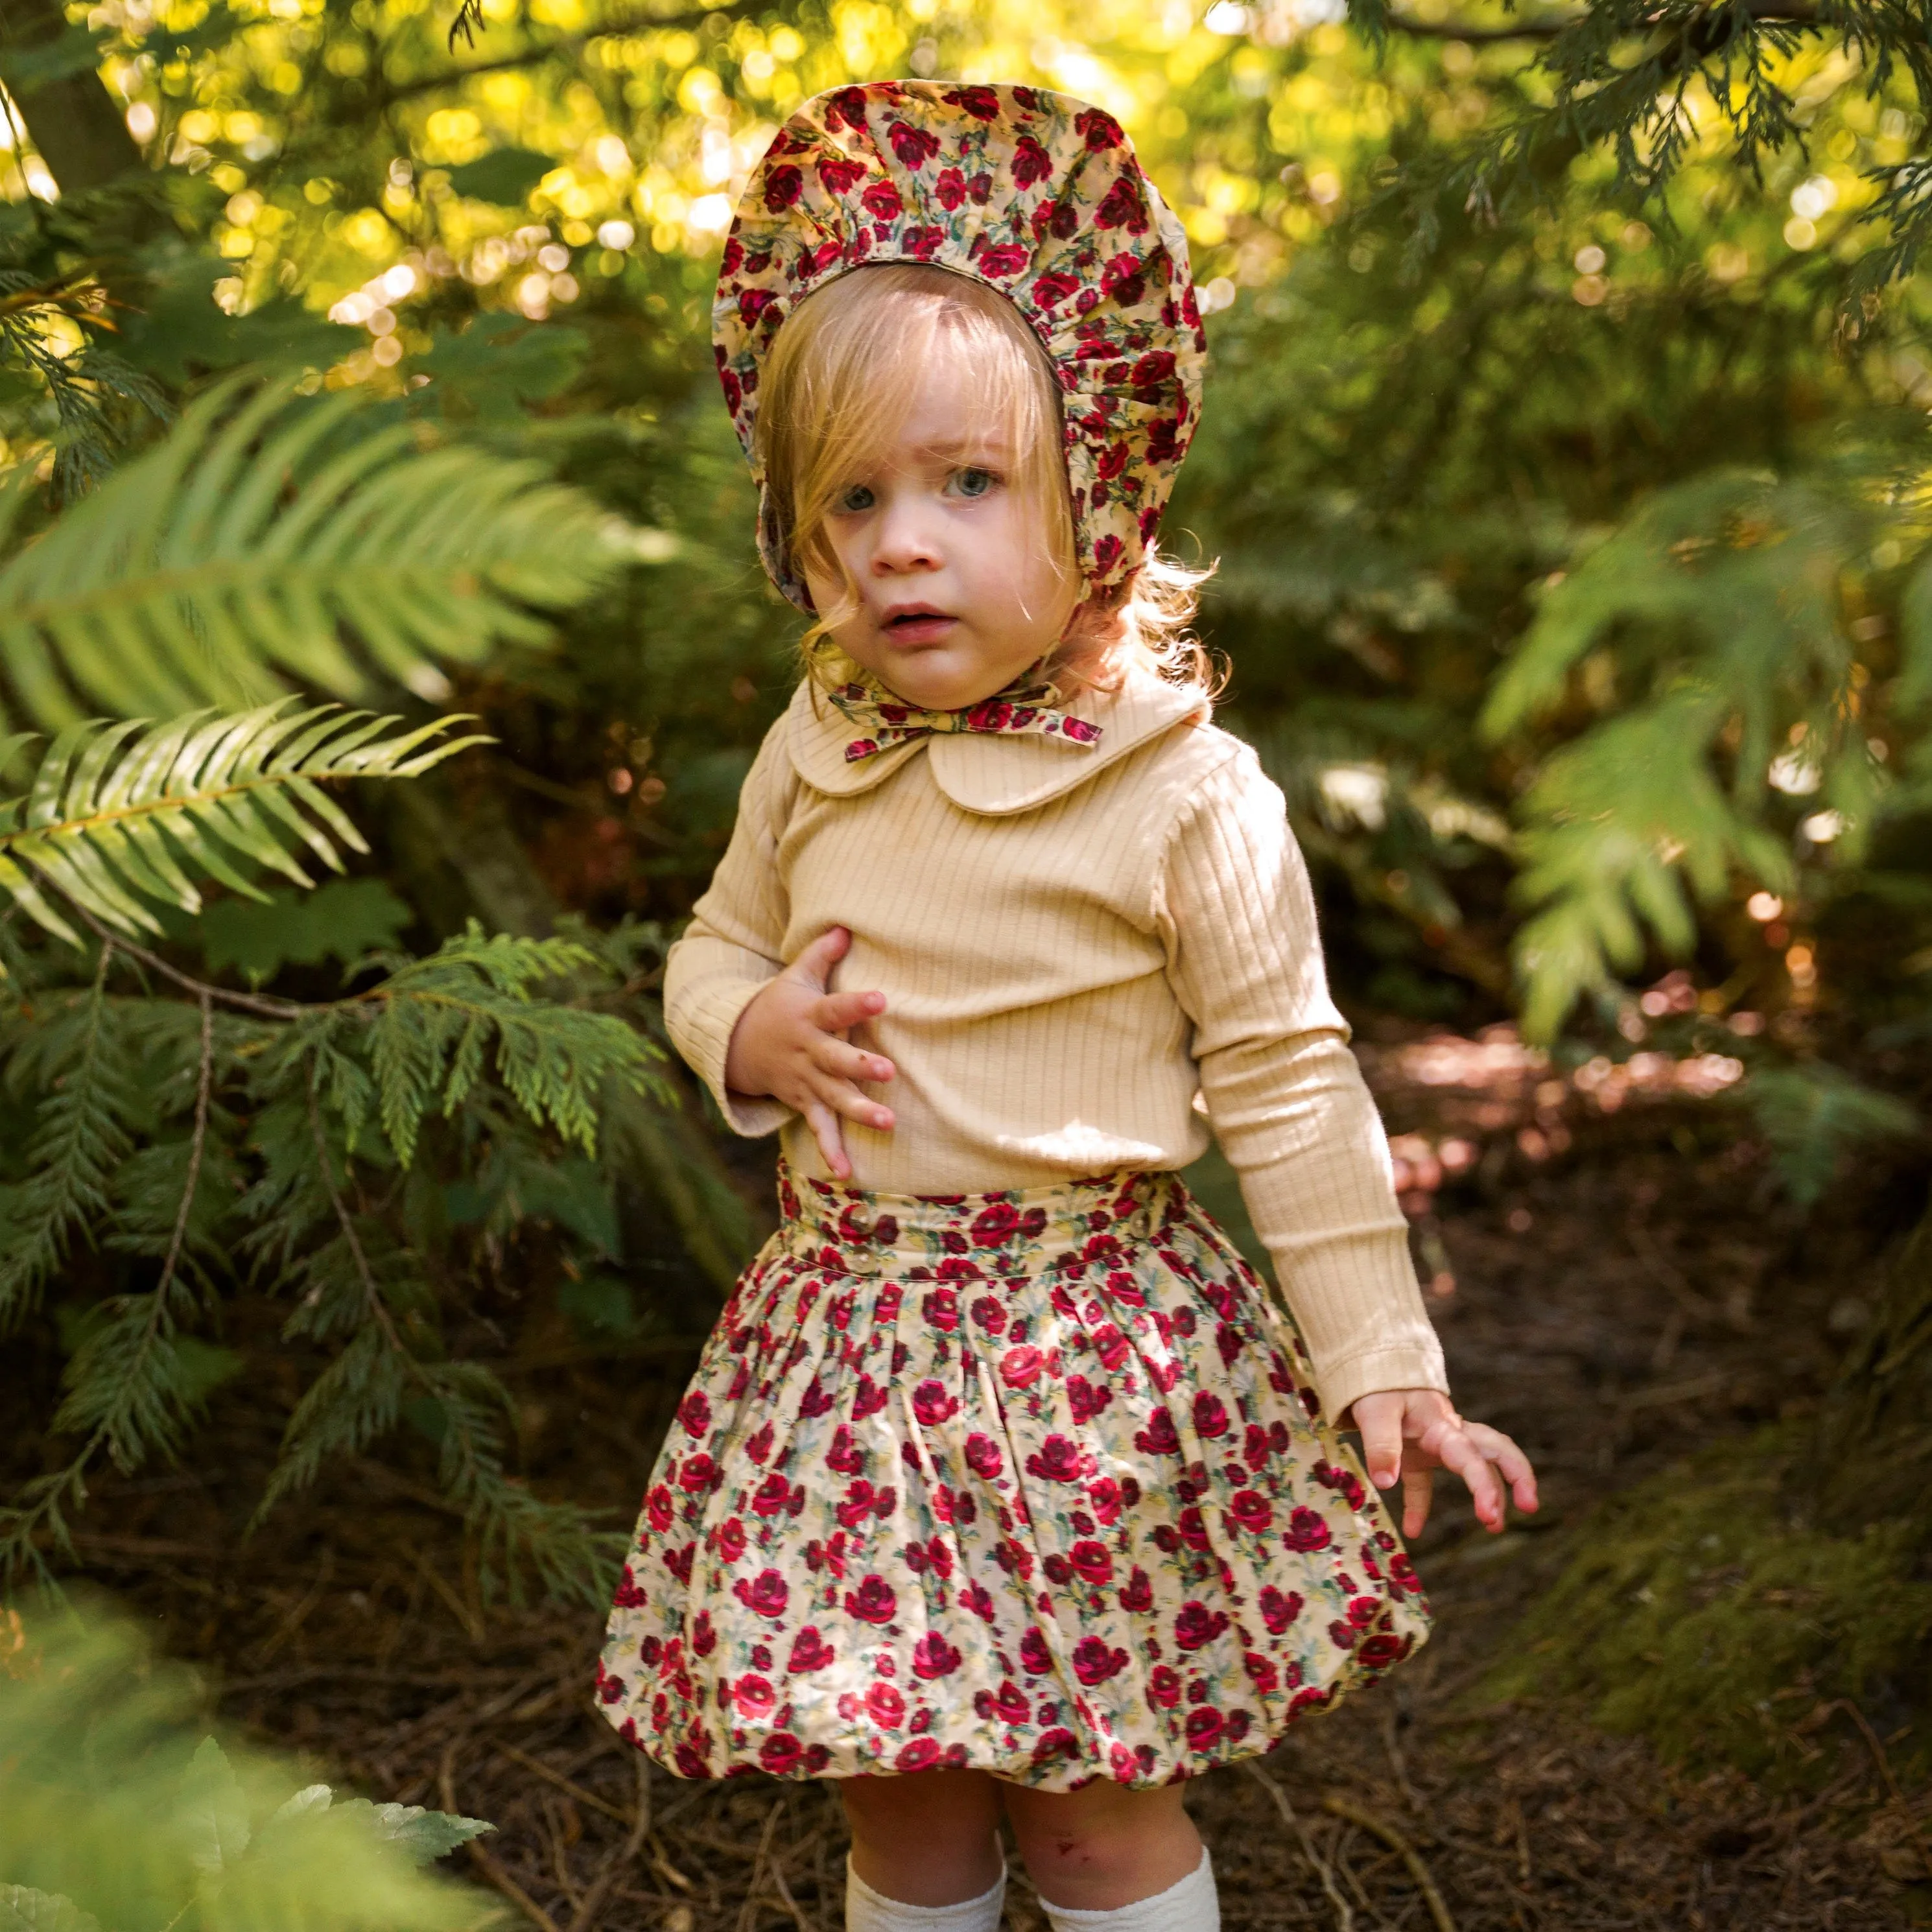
{"x": 1031, "y": 1483}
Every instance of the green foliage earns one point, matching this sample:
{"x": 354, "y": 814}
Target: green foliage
{"x": 430, "y": 1027}
{"x": 504, "y": 175}
{"x": 1701, "y": 1611}
{"x": 236, "y": 554}
{"x": 1814, "y": 1113}
{"x": 113, "y": 1819}
{"x": 1720, "y": 614}
{"x": 291, "y": 1138}
{"x": 341, "y": 919}
{"x": 499, "y": 367}
{"x": 1632, "y": 76}
{"x": 117, "y": 816}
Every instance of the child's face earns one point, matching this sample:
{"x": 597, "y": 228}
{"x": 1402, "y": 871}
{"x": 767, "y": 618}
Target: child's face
{"x": 958, "y": 593}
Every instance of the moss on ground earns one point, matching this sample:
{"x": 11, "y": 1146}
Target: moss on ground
{"x": 1701, "y": 1610}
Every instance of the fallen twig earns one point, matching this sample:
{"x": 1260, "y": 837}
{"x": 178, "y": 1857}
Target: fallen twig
{"x": 1356, "y": 1814}
{"x": 749, "y": 1911}
{"x": 1344, "y": 1912}
{"x": 484, "y": 1863}
{"x": 569, "y": 1785}
{"x": 1913, "y": 1828}
{"x": 621, "y": 1859}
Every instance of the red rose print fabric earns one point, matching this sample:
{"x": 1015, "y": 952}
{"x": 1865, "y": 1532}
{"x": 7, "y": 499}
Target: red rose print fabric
{"x": 1034, "y": 193}
{"x": 1033, "y": 1483}
{"x": 880, "y": 720}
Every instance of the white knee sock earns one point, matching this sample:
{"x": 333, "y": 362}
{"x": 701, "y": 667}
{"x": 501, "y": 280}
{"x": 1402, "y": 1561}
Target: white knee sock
{"x": 869, "y": 1911}
{"x": 1192, "y": 1905}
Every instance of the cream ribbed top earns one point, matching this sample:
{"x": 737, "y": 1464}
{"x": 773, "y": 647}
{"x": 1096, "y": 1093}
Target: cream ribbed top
{"x": 1073, "y": 942}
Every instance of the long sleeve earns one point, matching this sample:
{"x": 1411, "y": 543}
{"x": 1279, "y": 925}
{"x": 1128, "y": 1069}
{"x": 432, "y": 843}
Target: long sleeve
{"x": 731, "y": 949}
{"x": 1287, "y": 1100}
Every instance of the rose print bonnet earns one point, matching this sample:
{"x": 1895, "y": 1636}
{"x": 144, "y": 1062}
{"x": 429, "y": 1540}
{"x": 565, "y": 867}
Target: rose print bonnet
{"x": 1037, "y": 196}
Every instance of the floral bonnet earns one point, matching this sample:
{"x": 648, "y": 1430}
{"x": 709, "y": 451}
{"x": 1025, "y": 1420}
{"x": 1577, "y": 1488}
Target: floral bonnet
{"x": 1037, "y": 196}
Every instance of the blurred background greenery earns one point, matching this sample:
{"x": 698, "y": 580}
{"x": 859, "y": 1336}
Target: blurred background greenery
{"x": 1564, "y": 460}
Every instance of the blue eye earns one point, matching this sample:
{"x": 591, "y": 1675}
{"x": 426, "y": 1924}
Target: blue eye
{"x": 856, "y": 498}
{"x": 976, "y": 482}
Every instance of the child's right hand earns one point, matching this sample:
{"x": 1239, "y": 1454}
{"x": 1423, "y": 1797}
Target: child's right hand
{"x": 790, "y": 1043}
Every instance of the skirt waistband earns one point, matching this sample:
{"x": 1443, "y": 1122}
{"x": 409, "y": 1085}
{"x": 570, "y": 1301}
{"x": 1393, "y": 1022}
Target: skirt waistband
{"x": 1016, "y": 1231}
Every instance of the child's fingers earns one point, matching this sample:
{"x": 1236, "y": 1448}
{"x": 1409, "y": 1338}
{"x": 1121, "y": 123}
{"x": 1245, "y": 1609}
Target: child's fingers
{"x": 842, "y": 1097}
{"x": 1418, "y": 1491}
{"x": 1511, "y": 1464}
{"x": 816, "y": 962}
{"x": 1378, "y": 1418}
{"x": 1454, "y": 1446}
{"x": 843, "y": 1061}
{"x": 841, "y": 1057}
{"x": 825, "y": 1130}
{"x": 838, "y": 1013}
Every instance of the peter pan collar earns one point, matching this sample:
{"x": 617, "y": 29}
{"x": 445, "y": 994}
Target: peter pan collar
{"x": 993, "y": 774}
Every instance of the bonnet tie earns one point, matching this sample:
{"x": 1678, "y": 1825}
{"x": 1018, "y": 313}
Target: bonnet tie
{"x": 1026, "y": 705}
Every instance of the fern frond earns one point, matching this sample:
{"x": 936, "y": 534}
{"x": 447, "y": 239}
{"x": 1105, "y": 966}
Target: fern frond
{"x": 1814, "y": 1113}
{"x": 119, "y": 816}
{"x": 89, "y": 1117}
{"x": 230, "y": 562}
{"x": 1722, "y": 600}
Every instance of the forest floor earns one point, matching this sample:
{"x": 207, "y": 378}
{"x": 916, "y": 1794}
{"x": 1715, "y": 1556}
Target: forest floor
{"x": 1623, "y": 1293}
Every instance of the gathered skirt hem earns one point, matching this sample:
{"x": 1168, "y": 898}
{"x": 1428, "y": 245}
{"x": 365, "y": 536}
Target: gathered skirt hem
{"x": 1033, "y": 1484}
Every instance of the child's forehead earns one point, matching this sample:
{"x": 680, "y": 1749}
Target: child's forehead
{"x": 940, "y": 420}
{"x": 953, "y": 411}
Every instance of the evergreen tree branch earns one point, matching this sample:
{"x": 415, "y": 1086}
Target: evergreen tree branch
{"x": 197, "y": 1144}
{"x": 250, "y": 1003}
{"x": 377, "y": 1308}
{"x": 84, "y": 1134}
{"x": 1765, "y": 13}
{"x": 132, "y": 1391}
{"x": 468, "y": 18}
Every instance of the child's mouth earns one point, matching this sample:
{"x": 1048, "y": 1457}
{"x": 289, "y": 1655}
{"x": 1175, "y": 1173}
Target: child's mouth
{"x": 918, "y": 627}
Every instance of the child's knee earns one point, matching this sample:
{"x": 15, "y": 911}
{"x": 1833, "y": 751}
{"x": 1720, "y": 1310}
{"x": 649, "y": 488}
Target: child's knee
{"x": 1068, "y": 1856}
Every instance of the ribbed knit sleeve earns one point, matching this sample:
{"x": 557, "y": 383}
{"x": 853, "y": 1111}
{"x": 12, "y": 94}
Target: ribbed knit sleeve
{"x": 1287, "y": 1100}
{"x": 731, "y": 949}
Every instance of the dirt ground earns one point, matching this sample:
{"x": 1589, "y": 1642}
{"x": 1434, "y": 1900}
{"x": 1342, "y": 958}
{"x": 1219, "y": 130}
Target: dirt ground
{"x": 1613, "y": 1287}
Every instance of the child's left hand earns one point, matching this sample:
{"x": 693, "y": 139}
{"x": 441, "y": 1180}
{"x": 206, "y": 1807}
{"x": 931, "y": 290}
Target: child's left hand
{"x": 1436, "y": 1438}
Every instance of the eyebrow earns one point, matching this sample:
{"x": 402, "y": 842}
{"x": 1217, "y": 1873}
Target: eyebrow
{"x": 992, "y": 449}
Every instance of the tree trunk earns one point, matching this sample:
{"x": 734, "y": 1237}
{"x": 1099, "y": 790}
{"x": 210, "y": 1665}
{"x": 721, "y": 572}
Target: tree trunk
{"x": 75, "y": 122}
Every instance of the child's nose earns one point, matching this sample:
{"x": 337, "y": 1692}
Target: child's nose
{"x": 906, "y": 540}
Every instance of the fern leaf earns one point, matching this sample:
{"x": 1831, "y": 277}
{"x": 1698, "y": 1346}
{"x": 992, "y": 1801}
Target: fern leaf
{"x": 89, "y": 1118}
{"x": 118, "y": 818}
{"x": 1814, "y": 1113}
{"x": 1723, "y": 597}
{"x": 237, "y": 554}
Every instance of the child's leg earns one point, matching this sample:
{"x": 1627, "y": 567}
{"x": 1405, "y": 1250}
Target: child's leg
{"x": 1108, "y": 1859}
{"x": 924, "y": 1840}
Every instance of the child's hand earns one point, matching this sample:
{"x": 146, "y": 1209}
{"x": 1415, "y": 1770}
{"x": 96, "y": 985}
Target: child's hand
{"x": 790, "y": 1043}
{"x": 1437, "y": 1438}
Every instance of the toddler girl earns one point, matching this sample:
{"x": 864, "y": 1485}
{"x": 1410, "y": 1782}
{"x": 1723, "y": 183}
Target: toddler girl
{"x": 1001, "y": 1467}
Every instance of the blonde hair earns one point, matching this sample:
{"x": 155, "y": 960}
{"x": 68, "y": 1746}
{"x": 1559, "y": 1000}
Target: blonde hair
{"x": 843, "y": 375}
